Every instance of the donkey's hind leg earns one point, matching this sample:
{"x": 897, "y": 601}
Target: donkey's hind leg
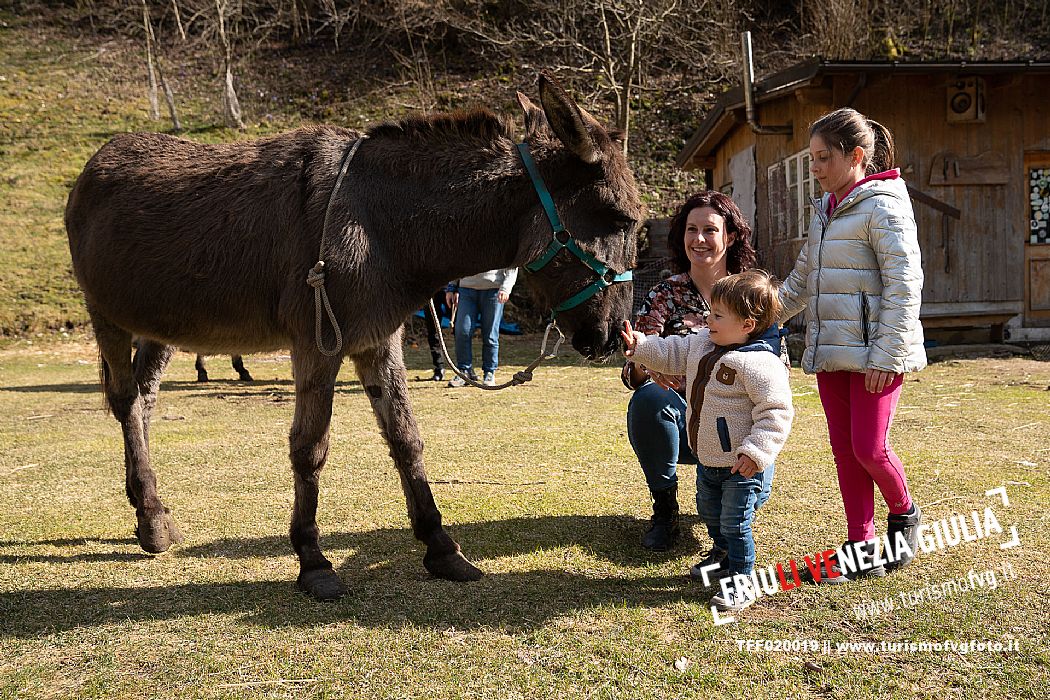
{"x": 242, "y": 372}
{"x": 308, "y": 448}
{"x": 202, "y": 371}
{"x": 382, "y": 372}
{"x": 149, "y": 364}
{"x": 156, "y": 529}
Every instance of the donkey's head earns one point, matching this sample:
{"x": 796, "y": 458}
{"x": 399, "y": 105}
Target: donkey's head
{"x": 595, "y": 197}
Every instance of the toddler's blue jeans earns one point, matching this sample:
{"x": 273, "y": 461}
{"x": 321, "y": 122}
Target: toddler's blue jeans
{"x": 727, "y": 504}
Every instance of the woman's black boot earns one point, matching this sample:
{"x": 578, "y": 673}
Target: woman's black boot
{"x": 663, "y": 532}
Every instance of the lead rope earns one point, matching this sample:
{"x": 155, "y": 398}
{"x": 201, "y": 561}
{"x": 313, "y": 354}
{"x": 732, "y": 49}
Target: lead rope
{"x": 315, "y": 277}
{"x": 521, "y": 377}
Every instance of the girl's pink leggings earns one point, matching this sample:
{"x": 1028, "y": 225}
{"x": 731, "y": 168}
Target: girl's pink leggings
{"x": 858, "y": 425}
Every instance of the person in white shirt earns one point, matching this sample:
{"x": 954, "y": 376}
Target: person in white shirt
{"x": 479, "y": 295}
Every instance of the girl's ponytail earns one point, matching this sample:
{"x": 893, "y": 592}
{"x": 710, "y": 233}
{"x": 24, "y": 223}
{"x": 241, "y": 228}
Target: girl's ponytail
{"x": 883, "y": 154}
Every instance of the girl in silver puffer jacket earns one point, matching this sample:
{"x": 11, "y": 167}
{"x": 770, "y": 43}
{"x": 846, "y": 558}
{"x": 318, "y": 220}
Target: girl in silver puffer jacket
{"x": 859, "y": 278}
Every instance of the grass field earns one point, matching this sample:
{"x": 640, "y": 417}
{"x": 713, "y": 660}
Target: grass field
{"x": 539, "y": 486}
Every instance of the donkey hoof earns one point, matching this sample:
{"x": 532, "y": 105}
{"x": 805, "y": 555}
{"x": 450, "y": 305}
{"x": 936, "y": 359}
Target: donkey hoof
{"x": 452, "y": 567}
{"x": 158, "y": 533}
{"x": 321, "y": 584}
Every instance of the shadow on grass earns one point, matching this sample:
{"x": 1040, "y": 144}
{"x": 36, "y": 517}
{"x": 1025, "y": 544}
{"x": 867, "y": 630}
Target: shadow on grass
{"x": 388, "y": 584}
{"x": 69, "y": 542}
{"x": 68, "y": 388}
{"x": 513, "y": 350}
{"x": 213, "y": 386}
{"x": 122, "y": 555}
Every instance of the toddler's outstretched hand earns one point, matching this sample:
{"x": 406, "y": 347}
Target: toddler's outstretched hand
{"x": 631, "y": 338}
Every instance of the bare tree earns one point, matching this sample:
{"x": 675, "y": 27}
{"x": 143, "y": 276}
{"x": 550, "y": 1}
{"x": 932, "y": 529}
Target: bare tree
{"x": 154, "y": 108}
{"x": 156, "y": 70}
{"x": 629, "y": 29}
{"x": 618, "y": 44}
{"x": 231, "y": 106}
{"x": 841, "y": 28}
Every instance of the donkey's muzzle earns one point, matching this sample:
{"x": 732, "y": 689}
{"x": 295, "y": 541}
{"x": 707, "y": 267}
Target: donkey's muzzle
{"x": 595, "y": 345}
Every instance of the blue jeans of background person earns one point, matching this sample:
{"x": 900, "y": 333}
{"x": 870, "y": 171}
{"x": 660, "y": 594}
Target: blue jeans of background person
{"x": 727, "y": 504}
{"x": 657, "y": 431}
{"x": 471, "y": 303}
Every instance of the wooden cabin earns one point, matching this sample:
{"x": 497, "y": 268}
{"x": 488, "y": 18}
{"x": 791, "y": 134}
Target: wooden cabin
{"x": 973, "y": 143}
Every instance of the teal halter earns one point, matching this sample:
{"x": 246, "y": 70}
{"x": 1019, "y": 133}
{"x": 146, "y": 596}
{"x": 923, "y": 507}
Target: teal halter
{"x": 606, "y": 277}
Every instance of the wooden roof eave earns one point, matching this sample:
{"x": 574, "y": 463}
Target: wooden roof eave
{"x": 723, "y": 116}
{"x": 728, "y": 111}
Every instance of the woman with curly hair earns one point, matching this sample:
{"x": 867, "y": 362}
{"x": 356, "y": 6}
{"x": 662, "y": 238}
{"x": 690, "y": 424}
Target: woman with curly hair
{"x": 709, "y": 239}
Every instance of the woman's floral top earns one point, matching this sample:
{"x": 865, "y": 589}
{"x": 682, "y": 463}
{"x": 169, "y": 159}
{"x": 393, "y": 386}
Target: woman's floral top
{"x": 673, "y": 306}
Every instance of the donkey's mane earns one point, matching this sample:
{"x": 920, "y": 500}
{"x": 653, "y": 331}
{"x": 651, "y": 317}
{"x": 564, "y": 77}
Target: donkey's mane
{"x": 473, "y": 123}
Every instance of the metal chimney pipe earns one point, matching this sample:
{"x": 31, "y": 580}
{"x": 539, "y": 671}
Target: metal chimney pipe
{"x": 749, "y": 97}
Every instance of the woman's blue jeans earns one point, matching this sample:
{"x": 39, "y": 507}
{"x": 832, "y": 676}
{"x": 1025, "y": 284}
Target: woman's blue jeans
{"x": 656, "y": 429}
{"x": 726, "y": 502}
{"x": 473, "y": 302}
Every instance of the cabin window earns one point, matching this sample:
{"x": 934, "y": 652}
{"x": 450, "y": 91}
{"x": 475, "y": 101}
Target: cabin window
{"x": 792, "y": 188}
{"x": 1039, "y": 205}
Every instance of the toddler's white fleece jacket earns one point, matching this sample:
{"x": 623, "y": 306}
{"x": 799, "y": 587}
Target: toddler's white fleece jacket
{"x": 739, "y": 402}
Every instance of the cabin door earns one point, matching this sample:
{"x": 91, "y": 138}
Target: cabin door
{"x": 1037, "y": 243}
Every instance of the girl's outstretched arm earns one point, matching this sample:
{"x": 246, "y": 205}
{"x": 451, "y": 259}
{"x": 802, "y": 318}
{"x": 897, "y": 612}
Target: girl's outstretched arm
{"x": 794, "y": 292}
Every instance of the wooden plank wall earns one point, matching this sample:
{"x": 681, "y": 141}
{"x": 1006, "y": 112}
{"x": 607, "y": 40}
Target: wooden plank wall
{"x": 985, "y": 253}
{"x": 980, "y": 260}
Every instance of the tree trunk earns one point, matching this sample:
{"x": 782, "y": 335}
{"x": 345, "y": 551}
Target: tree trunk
{"x": 297, "y": 25}
{"x": 231, "y": 106}
{"x": 625, "y": 111}
{"x": 169, "y": 97}
{"x": 178, "y": 19}
{"x": 154, "y": 108}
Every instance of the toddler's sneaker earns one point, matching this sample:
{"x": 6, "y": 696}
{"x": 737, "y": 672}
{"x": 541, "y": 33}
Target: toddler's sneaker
{"x": 733, "y": 601}
{"x": 490, "y": 379}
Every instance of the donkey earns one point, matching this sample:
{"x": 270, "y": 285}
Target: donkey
{"x": 208, "y": 247}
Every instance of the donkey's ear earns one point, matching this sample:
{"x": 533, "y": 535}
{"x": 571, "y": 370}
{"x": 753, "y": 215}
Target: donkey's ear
{"x": 535, "y": 120}
{"x": 567, "y": 121}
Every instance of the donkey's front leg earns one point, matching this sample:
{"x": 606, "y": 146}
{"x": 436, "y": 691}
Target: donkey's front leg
{"x": 382, "y": 372}
{"x": 308, "y": 448}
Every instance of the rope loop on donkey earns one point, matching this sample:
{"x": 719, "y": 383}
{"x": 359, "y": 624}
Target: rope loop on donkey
{"x": 315, "y": 277}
